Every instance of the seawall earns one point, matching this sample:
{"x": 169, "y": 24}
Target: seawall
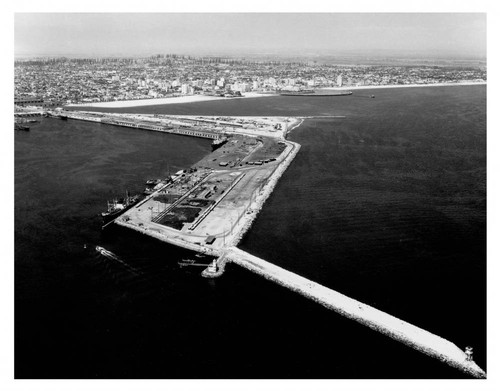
{"x": 246, "y": 221}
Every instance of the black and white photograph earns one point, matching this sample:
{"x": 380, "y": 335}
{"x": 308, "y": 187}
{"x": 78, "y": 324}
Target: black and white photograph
{"x": 233, "y": 195}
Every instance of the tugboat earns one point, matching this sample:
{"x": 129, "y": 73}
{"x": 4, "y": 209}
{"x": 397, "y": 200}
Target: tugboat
{"x": 117, "y": 207}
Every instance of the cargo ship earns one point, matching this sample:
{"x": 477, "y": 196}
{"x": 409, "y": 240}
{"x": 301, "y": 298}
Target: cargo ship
{"x": 117, "y": 207}
{"x": 218, "y": 142}
{"x": 18, "y": 126}
{"x": 153, "y": 182}
{"x": 315, "y": 94}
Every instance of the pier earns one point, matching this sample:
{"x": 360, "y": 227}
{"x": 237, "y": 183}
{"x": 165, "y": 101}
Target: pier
{"x": 397, "y": 329}
{"x": 159, "y": 126}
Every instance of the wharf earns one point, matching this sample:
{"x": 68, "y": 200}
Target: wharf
{"x": 195, "y": 126}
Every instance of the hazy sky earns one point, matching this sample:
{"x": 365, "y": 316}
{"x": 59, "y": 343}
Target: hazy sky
{"x": 326, "y": 33}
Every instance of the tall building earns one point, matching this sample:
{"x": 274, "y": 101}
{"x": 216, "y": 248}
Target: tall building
{"x": 339, "y": 80}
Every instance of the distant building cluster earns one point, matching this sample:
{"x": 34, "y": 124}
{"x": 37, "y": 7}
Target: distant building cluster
{"x": 60, "y": 81}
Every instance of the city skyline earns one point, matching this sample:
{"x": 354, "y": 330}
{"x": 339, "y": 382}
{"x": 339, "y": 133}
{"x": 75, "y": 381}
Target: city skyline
{"x": 461, "y": 35}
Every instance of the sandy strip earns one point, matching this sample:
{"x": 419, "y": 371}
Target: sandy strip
{"x": 165, "y": 101}
{"x": 351, "y": 88}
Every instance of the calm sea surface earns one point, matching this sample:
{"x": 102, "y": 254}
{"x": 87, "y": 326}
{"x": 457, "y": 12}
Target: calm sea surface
{"x": 387, "y": 205}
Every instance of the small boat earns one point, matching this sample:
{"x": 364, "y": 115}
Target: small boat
{"x": 186, "y": 262}
{"x": 114, "y": 257}
{"x": 104, "y": 252}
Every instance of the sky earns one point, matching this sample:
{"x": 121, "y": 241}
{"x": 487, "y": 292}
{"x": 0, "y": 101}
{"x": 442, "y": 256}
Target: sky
{"x": 129, "y": 34}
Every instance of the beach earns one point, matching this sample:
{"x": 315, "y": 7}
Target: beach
{"x": 205, "y": 98}
{"x": 164, "y": 101}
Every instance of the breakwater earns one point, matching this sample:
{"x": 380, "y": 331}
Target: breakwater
{"x": 397, "y": 329}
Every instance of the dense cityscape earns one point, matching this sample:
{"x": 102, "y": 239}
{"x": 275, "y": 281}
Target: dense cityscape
{"x": 60, "y": 81}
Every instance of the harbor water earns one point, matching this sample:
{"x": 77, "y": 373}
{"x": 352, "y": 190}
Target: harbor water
{"x": 386, "y": 205}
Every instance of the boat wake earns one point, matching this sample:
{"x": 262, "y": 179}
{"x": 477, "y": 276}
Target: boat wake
{"x": 109, "y": 255}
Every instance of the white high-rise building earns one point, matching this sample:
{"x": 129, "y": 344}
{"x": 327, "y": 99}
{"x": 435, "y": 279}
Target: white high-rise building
{"x": 339, "y": 80}
{"x": 221, "y": 82}
{"x": 184, "y": 89}
{"x": 244, "y": 87}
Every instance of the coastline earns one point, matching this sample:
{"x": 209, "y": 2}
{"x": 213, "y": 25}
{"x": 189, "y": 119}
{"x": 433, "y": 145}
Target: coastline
{"x": 247, "y": 95}
{"x": 165, "y": 101}
{"x": 348, "y": 88}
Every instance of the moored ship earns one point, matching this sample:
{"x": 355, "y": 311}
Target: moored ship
{"x": 218, "y": 142}
{"x": 314, "y": 93}
{"x": 118, "y": 206}
{"x": 18, "y": 126}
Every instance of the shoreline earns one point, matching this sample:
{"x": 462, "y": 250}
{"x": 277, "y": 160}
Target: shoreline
{"x": 165, "y": 101}
{"x": 248, "y": 95}
{"x": 348, "y": 88}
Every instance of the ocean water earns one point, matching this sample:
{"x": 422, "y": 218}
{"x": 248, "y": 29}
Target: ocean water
{"x": 387, "y": 205}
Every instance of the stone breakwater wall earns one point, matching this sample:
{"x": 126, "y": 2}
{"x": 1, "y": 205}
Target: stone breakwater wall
{"x": 221, "y": 266}
{"x": 295, "y": 126}
{"x": 397, "y": 329}
{"x": 247, "y": 220}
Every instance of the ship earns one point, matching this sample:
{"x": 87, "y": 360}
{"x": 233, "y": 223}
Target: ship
{"x": 315, "y": 94}
{"x": 117, "y": 207}
{"x": 18, "y": 126}
{"x": 298, "y": 92}
{"x": 152, "y": 182}
{"x": 218, "y": 142}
